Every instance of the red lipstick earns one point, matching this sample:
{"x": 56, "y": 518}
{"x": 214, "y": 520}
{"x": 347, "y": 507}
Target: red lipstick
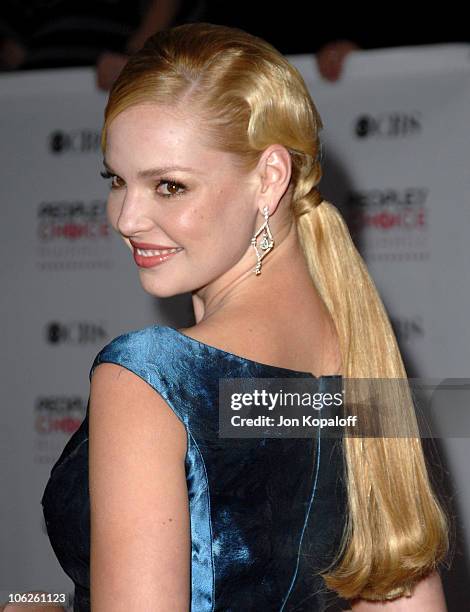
{"x": 150, "y": 261}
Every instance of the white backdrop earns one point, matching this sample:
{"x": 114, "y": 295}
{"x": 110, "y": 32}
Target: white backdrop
{"x": 395, "y": 151}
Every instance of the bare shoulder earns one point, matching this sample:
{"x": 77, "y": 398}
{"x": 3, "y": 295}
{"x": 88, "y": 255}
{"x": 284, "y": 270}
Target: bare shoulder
{"x": 237, "y": 336}
{"x": 286, "y": 345}
{"x": 139, "y": 509}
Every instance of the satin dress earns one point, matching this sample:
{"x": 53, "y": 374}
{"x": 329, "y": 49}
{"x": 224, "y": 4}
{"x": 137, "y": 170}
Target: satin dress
{"x": 266, "y": 514}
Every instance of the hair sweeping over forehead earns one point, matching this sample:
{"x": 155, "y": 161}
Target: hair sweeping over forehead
{"x": 248, "y": 96}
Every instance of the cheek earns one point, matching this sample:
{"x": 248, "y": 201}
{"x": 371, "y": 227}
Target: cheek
{"x": 219, "y": 224}
{"x": 196, "y": 222}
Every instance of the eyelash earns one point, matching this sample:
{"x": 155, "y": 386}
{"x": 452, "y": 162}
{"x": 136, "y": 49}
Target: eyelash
{"x": 107, "y": 175}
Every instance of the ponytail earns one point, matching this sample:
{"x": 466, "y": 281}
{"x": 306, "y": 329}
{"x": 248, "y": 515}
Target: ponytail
{"x": 396, "y": 531}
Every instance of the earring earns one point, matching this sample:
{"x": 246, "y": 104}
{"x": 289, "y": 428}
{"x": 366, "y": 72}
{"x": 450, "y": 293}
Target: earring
{"x": 267, "y": 241}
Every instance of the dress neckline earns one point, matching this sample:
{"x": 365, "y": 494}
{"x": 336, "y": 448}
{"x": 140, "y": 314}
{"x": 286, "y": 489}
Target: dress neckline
{"x": 246, "y": 359}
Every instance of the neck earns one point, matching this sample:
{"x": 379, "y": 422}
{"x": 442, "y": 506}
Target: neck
{"x": 239, "y": 289}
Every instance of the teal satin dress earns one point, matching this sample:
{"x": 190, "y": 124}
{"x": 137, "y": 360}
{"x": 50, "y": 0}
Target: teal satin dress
{"x": 266, "y": 514}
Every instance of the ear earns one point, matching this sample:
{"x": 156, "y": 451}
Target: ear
{"x": 274, "y": 170}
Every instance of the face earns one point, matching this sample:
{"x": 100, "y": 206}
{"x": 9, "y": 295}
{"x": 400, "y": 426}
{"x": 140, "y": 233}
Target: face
{"x": 205, "y": 206}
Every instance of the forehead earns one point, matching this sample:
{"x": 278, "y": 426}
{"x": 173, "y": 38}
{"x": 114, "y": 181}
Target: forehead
{"x": 149, "y": 121}
{"x": 163, "y": 135}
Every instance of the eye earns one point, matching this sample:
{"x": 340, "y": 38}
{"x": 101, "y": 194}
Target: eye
{"x": 107, "y": 175}
{"x": 172, "y": 187}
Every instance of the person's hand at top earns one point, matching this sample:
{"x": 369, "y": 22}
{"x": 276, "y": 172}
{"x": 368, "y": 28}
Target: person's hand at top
{"x": 158, "y": 16}
{"x": 330, "y": 58}
{"x": 108, "y": 66}
{"x": 12, "y": 53}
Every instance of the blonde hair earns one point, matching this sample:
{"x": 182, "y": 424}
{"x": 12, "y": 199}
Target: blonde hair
{"x": 249, "y": 97}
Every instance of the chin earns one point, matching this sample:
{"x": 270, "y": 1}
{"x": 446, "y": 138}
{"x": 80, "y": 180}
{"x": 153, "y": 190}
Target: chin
{"x": 160, "y": 289}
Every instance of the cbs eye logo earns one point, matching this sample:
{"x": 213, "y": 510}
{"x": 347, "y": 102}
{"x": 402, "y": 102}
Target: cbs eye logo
{"x": 75, "y": 332}
{"x": 74, "y": 141}
{"x": 387, "y": 125}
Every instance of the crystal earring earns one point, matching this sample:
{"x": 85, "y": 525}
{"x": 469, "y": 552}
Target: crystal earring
{"x": 267, "y": 241}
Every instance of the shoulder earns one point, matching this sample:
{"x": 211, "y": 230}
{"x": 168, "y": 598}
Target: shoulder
{"x": 127, "y": 385}
{"x": 176, "y": 371}
{"x": 241, "y": 336}
{"x": 132, "y": 406}
{"x": 150, "y": 353}
{"x": 136, "y": 344}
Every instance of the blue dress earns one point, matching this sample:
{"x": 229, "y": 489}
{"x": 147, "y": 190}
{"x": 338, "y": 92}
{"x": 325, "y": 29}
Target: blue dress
{"x": 266, "y": 514}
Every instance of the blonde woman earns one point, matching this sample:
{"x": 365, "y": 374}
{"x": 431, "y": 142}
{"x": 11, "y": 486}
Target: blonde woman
{"x": 211, "y": 143}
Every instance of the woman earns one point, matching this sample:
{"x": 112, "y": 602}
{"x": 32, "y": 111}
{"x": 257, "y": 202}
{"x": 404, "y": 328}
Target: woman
{"x": 211, "y": 142}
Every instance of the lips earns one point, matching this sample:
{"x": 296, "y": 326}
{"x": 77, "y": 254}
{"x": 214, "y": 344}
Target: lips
{"x": 150, "y": 261}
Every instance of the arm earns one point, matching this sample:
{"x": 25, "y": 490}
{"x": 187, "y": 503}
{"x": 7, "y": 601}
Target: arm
{"x": 427, "y": 596}
{"x": 140, "y": 532}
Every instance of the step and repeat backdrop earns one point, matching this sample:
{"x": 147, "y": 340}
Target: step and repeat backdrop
{"x": 395, "y": 153}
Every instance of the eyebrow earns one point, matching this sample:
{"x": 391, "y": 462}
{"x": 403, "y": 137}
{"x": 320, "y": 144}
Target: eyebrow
{"x": 153, "y": 171}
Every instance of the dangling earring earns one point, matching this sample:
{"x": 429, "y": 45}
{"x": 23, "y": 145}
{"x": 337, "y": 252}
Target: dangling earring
{"x": 267, "y": 241}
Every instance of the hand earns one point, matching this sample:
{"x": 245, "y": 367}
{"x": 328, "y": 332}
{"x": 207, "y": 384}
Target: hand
{"x": 330, "y": 58}
{"x": 12, "y": 55}
{"x": 108, "y": 68}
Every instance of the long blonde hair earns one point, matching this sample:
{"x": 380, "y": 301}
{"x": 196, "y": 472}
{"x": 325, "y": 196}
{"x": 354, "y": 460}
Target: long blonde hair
{"x": 249, "y": 97}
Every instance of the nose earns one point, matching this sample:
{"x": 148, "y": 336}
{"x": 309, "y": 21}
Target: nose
{"x": 134, "y": 217}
